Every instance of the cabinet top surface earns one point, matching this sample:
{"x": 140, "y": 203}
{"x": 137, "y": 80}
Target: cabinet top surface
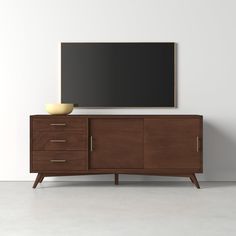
{"x": 120, "y": 116}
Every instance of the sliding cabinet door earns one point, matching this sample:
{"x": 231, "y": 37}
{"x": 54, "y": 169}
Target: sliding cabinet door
{"x": 116, "y": 143}
{"x": 173, "y": 143}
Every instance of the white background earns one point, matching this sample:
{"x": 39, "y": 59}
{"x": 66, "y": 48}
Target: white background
{"x": 205, "y": 31}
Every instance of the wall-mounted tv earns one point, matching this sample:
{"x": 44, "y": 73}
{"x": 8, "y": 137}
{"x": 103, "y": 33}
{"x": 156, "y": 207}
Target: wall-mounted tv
{"x": 118, "y": 74}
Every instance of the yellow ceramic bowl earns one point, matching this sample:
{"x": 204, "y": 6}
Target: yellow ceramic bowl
{"x": 59, "y": 108}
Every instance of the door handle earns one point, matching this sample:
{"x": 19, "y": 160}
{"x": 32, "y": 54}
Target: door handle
{"x": 91, "y": 143}
{"x": 197, "y": 138}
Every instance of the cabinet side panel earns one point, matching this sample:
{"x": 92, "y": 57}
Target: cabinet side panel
{"x": 31, "y": 143}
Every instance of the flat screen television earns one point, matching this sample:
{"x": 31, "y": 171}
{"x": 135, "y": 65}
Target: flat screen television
{"x": 118, "y": 74}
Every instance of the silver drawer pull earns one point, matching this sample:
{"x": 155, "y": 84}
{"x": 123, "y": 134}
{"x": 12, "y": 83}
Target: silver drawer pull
{"x": 57, "y": 140}
{"x": 58, "y": 161}
{"x": 58, "y": 124}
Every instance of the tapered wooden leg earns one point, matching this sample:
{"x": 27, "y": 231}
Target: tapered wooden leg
{"x": 116, "y": 179}
{"x": 41, "y": 179}
{"x": 193, "y": 178}
{"x": 39, "y": 176}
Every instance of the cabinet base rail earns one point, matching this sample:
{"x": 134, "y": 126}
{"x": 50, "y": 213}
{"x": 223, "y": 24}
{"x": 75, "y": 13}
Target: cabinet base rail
{"x": 40, "y": 177}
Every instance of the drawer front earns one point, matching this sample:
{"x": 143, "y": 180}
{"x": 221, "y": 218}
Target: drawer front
{"x": 59, "y": 141}
{"x": 59, "y": 161}
{"x": 60, "y": 123}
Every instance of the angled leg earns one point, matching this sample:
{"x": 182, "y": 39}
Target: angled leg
{"x": 116, "y": 179}
{"x": 39, "y": 176}
{"x": 194, "y": 180}
{"x": 191, "y": 180}
{"x": 41, "y": 179}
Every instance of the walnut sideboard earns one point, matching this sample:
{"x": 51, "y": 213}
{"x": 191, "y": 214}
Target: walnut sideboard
{"x": 116, "y": 144}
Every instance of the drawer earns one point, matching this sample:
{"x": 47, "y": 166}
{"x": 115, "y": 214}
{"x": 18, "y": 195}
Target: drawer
{"x": 59, "y": 161}
{"x": 59, "y": 141}
{"x": 60, "y": 123}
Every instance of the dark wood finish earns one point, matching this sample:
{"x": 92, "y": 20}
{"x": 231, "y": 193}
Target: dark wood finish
{"x": 169, "y": 172}
{"x": 31, "y": 143}
{"x": 41, "y": 179}
{"x": 117, "y": 143}
{"x": 60, "y": 140}
{"x": 172, "y": 143}
{"x": 38, "y": 178}
{"x": 48, "y": 174}
{"x": 116, "y": 179}
{"x": 59, "y": 160}
{"x": 59, "y": 123}
{"x": 134, "y": 144}
{"x": 194, "y": 180}
{"x": 116, "y": 116}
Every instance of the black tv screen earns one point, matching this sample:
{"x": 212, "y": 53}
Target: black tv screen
{"x": 118, "y": 74}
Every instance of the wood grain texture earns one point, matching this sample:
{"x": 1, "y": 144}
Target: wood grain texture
{"x": 59, "y": 123}
{"x": 71, "y": 140}
{"x": 122, "y": 144}
{"x": 117, "y": 143}
{"x": 172, "y": 143}
{"x": 74, "y": 161}
{"x": 160, "y": 171}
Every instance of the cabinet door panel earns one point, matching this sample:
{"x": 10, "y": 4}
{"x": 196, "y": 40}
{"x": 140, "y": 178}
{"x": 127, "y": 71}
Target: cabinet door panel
{"x": 172, "y": 143}
{"x": 117, "y": 143}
